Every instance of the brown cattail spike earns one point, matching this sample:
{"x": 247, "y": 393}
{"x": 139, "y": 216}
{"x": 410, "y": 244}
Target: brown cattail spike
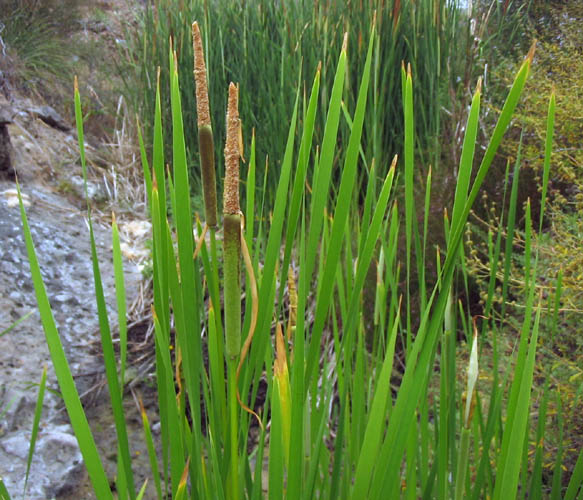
{"x": 232, "y": 152}
{"x": 205, "y": 131}
{"x": 202, "y": 98}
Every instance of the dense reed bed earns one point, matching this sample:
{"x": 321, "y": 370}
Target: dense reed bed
{"x": 268, "y": 46}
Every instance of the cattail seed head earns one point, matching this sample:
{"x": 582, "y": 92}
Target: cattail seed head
{"x": 232, "y": 153}
{"x": 205, "y": 131}
{"x": 207, "y": 163}
{"x": 202, "y": 97}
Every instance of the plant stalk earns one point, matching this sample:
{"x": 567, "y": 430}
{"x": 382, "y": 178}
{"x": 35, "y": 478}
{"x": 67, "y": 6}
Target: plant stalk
{"x": 232, "y": 276}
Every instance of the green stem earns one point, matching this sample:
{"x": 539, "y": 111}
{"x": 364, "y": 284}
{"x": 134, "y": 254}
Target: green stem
{"x": 232, "y": 284}
{"x": 218, "y": 325}
{"x": 232, "y": 298}
{"x": 462, "y": 464}
{"x": 234, "y": 428}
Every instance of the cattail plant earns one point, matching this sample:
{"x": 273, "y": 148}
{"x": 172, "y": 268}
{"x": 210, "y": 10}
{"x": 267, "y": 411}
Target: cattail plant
{"x": 232, "y": 272}
{"x": 232, "y": 230}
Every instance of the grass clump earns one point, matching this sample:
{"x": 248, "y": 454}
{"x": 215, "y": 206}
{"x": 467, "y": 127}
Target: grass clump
{"x": 332, "y": 424}
{"x": 36, "y": 49}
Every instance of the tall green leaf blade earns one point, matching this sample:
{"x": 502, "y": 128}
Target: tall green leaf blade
{"x": 518, "y": 373}
{"x": 296, "y": 469}
{"x": 535, "y": 485}
{"x": 145, "y": 164}
{"x": 547, "y": 162}
{"x": 409, "y": 196}
{"x": 35, "y": 424}
{"x": 300, "y": 175}
{"x": 186, "y": 298}
{"x": 16, "y": 323}
{"x": 467, "y": 158}
{"x": 321, "y": 180}
{"x": 340, "y": 217}
{"x": 120, "y": 294}
{"x": 4, "y": 495}
{"x": 175, "y": 444}
{"x": 142, "y": 491}
{"x": 507, "y": 477}
{"x": 497, "y": 135}
{"x": 276, "y": 451}
{"x": 369, "y": 244}
{"x": 159, "y": 177}
{"x": 319, "y": 449}
{"x": 151, "y": 451}
{"x": 576, "y": 481}
{"x": 104, "y": 327}
{"x": 376, "y": 419}
{"x": 508, "y": 251}
{"x": 164, "y": 273}
{"x": 250, "y": 196}
{"x": 267, "y": 286}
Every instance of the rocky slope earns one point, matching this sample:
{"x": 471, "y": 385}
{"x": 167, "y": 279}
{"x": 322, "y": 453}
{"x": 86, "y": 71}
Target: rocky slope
{"x": 44, "y": 154}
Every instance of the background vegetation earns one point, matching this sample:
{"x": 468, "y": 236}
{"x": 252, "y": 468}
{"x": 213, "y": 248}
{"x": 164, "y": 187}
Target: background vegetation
{"x": 36, "y": 53}
{"x": 267, "y": 46}
{"x": 519, "y": 264}
{"x": 558, "y": 67}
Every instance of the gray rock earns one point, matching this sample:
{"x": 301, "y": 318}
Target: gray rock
{"x": 62, "y": 460}
{"x": 6, "y": 168}
{"x": 6, "y": 115}
{"x": 14, "y": 402}
{"x": 16, "y": 445}
{"x": 50, "y": 117}
{"x": 95, "y": 191}
{"x": 57, "y": 465}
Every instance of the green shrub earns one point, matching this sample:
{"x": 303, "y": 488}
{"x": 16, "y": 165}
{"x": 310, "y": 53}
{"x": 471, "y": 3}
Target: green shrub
{"x": 558, "y": 68}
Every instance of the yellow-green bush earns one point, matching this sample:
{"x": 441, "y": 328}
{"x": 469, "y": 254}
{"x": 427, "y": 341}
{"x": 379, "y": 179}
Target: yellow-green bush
{"x": 558, "y": 65}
